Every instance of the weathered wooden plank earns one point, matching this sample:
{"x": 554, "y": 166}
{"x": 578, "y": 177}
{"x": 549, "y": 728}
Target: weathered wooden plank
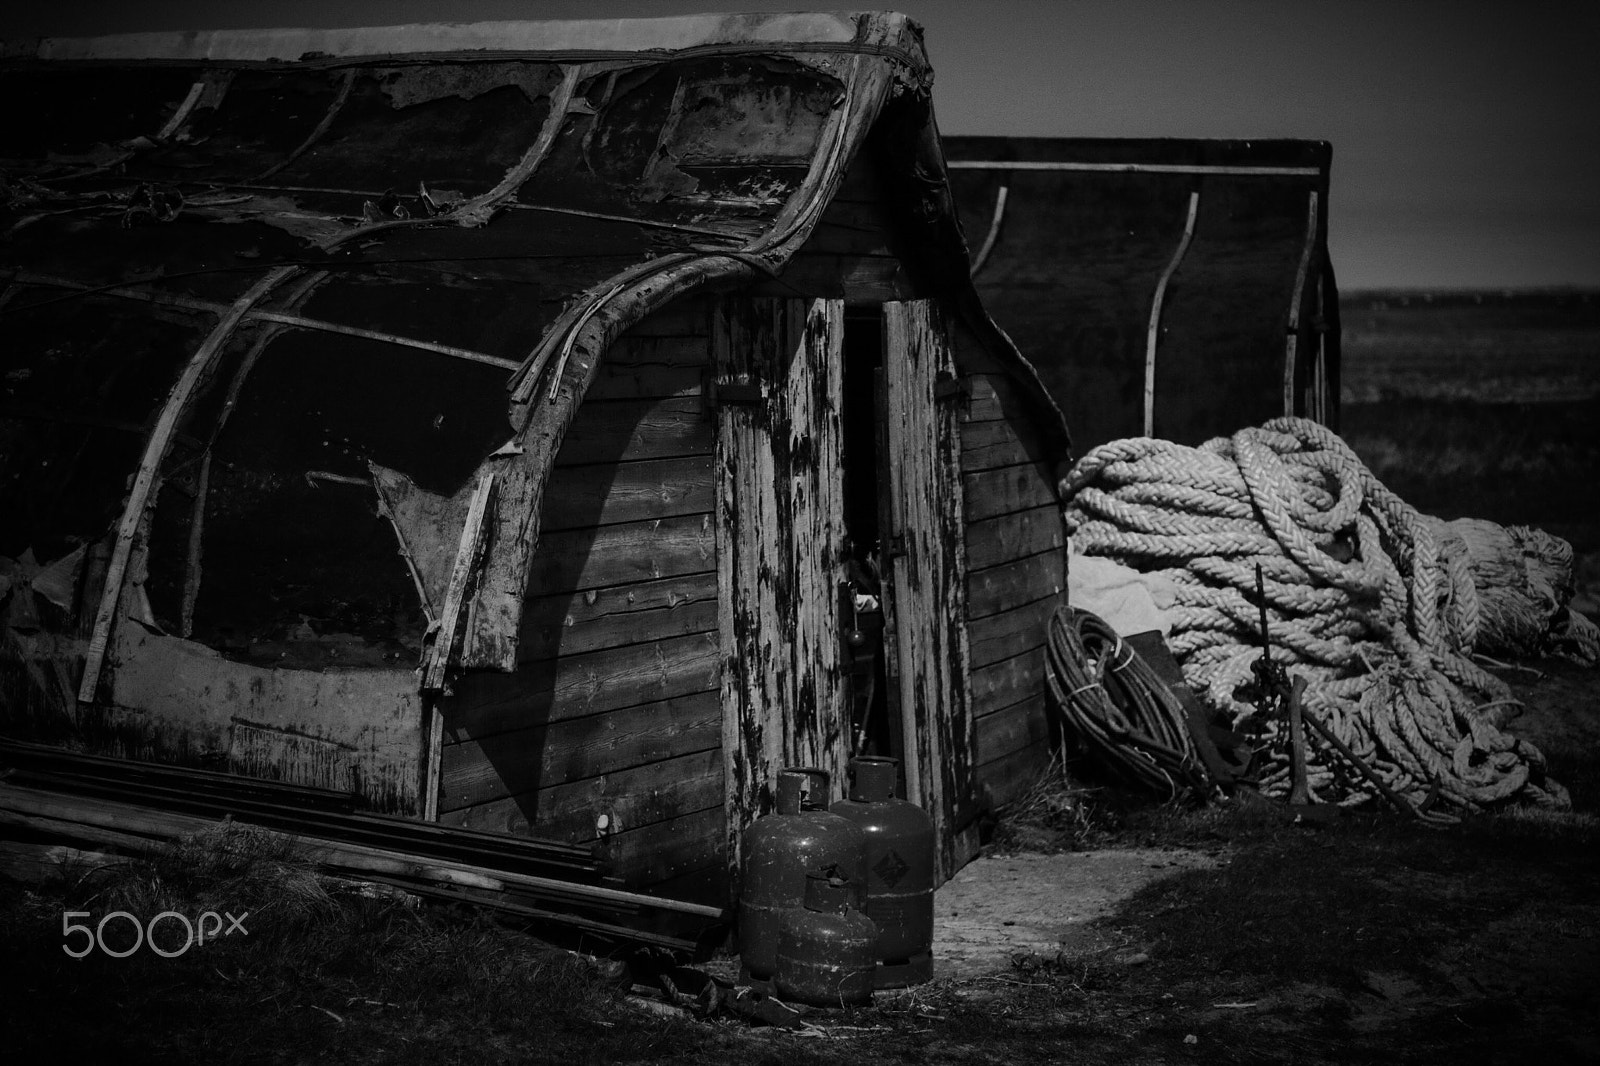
{"x": 577, "y": 497}
{"x": 437, "y": 656}
{"x": 928, "y": 581}
{"x": 1000, "y": 588}
{"x": 780, "y": 542}
{"x": 1014, "y": 536}
{"x": 999, "y": 636}
{"x": 600, "y": 556}
{"x": 1010, "y": 777}
{"x": 986, "y": 445}
{"x": 655, "y": 855}
{"x": 995, "y": 397}
{"x": 651, "y": 368}
{"x": 1005, "y": 489}
{"x": 1000, "y": 684}
{"x": 1010, "y": 729}
{"x": 620, "y": 431}
{"x": 630, "y": 799}
{"x": 687, "y": 317}
{"x": 524, "y": 760}
{"x": 570, "y": 623}
{"x": 551, "y": 690}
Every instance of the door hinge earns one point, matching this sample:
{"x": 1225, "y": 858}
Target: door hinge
{"x": 734, "y": 394}
{"x": 946, "y": 386}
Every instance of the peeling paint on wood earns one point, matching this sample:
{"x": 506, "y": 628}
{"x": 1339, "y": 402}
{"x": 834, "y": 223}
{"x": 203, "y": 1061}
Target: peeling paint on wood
{"x": 928, "y": 582}
{"x": 780, "y": 546}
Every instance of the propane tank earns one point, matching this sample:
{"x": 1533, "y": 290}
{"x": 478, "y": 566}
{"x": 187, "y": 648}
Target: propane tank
{"x": 827, "y": 949}
{"x": 900, "y": 846}
{"x": 802, "y": 836}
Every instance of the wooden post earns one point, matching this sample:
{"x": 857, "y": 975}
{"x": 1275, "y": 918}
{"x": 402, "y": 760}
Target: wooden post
{"x": 1297, "y": 298}
{"x": 927, "y": 574}
{"x": 1153, "y": 332}
{"x": 780, "y": 544}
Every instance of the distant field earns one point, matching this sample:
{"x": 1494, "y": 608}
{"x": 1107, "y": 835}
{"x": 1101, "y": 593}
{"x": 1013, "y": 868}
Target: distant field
{"x": 1482, "y": 404}
{"x": 1534, "y": 347}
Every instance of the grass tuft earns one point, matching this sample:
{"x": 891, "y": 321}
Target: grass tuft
{"x": 1055, "y": 814}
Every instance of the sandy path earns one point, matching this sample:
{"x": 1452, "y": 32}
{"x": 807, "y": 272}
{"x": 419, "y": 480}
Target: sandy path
{"x": 999, "y": 905}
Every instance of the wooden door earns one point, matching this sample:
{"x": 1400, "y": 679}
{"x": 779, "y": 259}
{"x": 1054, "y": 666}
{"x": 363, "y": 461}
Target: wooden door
{"x": 780, "y": 534}
{"x": 926, "y": 575}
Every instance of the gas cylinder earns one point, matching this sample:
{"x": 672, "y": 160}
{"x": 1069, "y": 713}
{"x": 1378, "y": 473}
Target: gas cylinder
{"x": 827, "y": 949}
{"x": 900, "y": 846}
{"x": 802, "y": 836}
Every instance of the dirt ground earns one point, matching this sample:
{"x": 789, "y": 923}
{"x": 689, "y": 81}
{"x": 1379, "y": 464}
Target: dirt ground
{"x": 1004, "y": 905}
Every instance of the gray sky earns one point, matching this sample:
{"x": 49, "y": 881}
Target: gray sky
{"x": 1466, "y": 135}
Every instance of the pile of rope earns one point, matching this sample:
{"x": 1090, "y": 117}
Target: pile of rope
{"x": 1360, "y": 598}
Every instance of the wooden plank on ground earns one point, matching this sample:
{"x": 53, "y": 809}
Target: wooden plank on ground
{"x": 569, "y": 623}
{"x": 1014, "y": 536}
{"x": 507, "y": 764}
{"x": 1001, "y": 588}
{"x": 602, "y": 556}
{"x": 550, "y": 690}
{"x": 581, "y": 496}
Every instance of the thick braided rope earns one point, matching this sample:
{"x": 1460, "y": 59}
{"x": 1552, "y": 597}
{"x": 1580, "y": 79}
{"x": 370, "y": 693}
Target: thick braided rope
{"x": 1371, "y": 602}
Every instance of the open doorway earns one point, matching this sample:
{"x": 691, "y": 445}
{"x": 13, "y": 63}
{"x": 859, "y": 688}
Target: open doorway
{"x": 874, "y": 729}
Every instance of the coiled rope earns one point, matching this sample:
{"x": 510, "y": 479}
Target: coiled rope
{"x": 1360, "y": 601}
{"x": 1118, "y": 708}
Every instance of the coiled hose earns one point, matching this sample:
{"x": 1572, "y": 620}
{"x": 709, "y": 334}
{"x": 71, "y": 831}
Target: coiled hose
{"x": 1115, "y": 706}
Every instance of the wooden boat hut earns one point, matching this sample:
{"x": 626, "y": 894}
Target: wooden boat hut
{"x": 1171, "y": 288}
{"x": 488, "y": 420}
